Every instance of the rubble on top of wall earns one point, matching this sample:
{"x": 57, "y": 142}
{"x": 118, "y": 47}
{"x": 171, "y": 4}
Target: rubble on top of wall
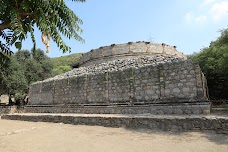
{"x": 118, "y": 65}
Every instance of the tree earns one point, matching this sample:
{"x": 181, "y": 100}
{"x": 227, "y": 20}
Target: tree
{"x": 38, "y": 55}
{"x": 23, "y": 56}
{"x": 22, "y": 69}
{"x": 12, "y": 78}
{"x": 36, "y": 65}
{"x": 52, "y": 17}
{"x": 213, "y": 61}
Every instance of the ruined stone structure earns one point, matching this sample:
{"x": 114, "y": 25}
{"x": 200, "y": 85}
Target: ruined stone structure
{"x": 120, "y": 51}
{"x": 132, "y": 78}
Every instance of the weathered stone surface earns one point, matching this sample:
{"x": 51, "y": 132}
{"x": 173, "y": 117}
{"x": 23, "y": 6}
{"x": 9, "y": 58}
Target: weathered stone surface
{"x": 103, "y": 84}
{"x": 181, "y": 109}
{"x": 155, "y": 48}
{"x": 120, "y": 49}
{"x": 138, "y": 47}
{"x": 106, "y": 51}
{"x": 139, "y": 80}
{"x": 153, "y": 122}
{"x": 7, "y": 109}
{"x": 128, "y": 50}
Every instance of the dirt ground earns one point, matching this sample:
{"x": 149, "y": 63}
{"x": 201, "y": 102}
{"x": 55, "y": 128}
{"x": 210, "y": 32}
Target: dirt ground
{"x": 20, "y": 136}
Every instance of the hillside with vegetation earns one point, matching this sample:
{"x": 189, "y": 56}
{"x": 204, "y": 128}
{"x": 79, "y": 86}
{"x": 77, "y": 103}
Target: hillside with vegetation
{"x": 64, "y": 63}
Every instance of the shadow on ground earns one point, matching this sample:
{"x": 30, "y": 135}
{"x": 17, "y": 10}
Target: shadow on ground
{"x": 218, "y": 138}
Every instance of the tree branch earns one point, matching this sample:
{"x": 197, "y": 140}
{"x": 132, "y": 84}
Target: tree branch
{"x": 5, "y": 25}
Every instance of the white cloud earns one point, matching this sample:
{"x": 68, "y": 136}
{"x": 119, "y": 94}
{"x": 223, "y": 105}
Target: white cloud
{"x": 190, "y": 18}
{"x": 201, "y": 19}
{"x": 207, "y": 2}
{"x": 209, "y": 10}
{"x": 219, "y": 10}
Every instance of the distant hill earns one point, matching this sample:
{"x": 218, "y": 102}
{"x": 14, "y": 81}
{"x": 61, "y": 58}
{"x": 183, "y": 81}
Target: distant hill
{"x": 63, "y": 64}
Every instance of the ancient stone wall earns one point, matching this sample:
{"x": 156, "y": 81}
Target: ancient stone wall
{"x": 153, "y": 122}
{"x": 180, "y": 82}
{"x": 158, "y": 109}
{"x": 118, "y": 51}
{"x": 135, "y": 78}
{"x": 7, "y": 109}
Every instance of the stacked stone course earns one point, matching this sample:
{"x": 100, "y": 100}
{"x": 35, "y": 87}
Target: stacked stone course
{"x": 153, "y": 122}
{"x": 130, "y": 49}
{"x": 7, "y": 109}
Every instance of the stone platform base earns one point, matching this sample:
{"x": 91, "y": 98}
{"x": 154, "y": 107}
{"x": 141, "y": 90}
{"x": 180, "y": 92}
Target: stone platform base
{"x": 153, "y": 122}
{"x": 7, "y": 109}
{"x": 158, "y": 109}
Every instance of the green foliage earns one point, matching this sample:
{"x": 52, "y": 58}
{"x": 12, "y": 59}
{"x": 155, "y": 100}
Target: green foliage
{"x": 38, "y": 55}
{"x": 4, "y": 50}
{"x": 12, "y": 78}
{"x": 24, "y": 68}
{"x": 19, "y": 96}
{"x": 66, "y": 60}
{"x": 63, "y": 64}
{"x": 61, "y": 69}
{"x": 214, "y": 63}
{"x": 36, "y": 65}
{"x": 23, "y": 56}
{"x": 52, "y": 17}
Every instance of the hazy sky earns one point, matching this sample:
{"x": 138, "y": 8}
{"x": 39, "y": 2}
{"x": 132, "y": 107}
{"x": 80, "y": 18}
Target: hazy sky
{"x": 188, "y": 24}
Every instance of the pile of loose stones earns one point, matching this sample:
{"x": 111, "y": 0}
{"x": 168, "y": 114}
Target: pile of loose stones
{"x": 118, "y": 65}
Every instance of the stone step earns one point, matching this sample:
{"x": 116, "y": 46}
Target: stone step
{"x": 158, "y": 109}
{"x": 144, "y": 121}
{"x": 7, "y": 109}
{"x": 220, "y": 111}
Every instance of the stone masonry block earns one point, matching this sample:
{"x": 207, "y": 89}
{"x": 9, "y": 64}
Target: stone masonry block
{"x": 170, "y": 50}
{"x": 120, "y": 49}
{"x": 106, "y": 51}
{"x": 138, "y": 47}
{"x": 154, "y": 48}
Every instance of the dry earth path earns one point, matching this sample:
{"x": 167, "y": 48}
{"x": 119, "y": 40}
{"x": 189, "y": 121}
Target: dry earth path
{"x": 21, "y": 136}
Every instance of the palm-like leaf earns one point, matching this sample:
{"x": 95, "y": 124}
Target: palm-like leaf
{"x": 52, "y": 17}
